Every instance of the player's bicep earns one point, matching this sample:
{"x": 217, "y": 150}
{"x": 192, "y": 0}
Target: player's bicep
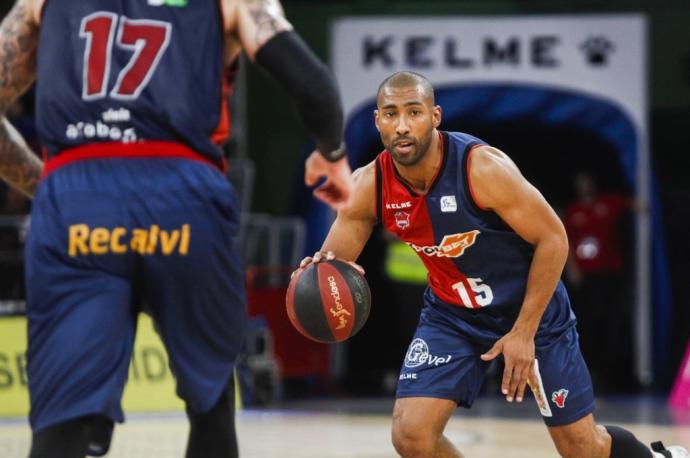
{"x": 257, "y": 22}
{"x": 499, "y": 186}
{"x": 18, "y": 47}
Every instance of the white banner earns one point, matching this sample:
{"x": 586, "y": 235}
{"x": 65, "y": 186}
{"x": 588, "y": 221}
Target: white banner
{"x": 599, "y": 55}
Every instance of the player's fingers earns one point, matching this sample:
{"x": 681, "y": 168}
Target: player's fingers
{"x": 317, "y": 256}
{"x": 520, "y": 395}
{"x": 305, "y": 262}
{"x": 505, "y": 383}
{"x": 492, "y": 353}
{"x": 516, "y": 380}
{"x": 330, "y": 255}
{"x": 311, "y": 177}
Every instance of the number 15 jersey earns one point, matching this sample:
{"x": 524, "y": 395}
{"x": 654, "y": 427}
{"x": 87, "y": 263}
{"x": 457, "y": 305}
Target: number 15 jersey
{"x": 474, "y": 259}
{"x": 129, "y": 71}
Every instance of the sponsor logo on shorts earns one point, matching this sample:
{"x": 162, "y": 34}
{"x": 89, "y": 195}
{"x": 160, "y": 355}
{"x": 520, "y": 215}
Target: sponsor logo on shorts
{"x": 558, "y": 397}
{"x": 84, "y": 240}
{"x": 452, "y": 246}
{"x": 418, "y": 354}
{"x": 408, "y": 376}
{"x": 339, "y": 311}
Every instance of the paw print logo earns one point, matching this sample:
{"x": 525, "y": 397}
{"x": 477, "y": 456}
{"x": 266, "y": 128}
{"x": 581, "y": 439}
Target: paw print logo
{"x": 597, "y": 50}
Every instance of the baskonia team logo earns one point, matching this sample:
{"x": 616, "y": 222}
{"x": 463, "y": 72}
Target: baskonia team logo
{"x": 558, "y": 397}
{"x": 402, "y": 220}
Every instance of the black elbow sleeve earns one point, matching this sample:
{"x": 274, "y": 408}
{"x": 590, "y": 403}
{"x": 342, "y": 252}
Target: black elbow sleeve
{"x": 312, "y": 86}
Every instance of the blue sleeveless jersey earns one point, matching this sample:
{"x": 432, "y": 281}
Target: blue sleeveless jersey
{"x": 474, "y": 259}
{"x": 127, "y": 71}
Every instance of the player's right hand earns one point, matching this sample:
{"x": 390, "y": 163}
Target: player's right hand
{"x": 324, "y": 256}
{"x": 336, "y": 191}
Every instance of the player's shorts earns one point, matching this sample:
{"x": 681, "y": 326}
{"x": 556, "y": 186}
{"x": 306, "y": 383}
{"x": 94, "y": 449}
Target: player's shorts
{"x": 108, "y": 237}
{"x": 443, "y": 360}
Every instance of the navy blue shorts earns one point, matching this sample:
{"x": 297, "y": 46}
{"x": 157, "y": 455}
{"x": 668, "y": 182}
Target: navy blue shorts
{"x": 443, "y": 360}
{"x": 108, "y": 237}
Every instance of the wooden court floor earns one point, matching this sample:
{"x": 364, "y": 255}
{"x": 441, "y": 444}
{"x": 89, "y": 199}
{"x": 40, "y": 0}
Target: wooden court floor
{"x": 317, "y": 433}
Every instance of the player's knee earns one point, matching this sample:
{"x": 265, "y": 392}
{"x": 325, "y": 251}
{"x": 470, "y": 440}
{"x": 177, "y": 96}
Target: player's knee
{"x": 412, "y": 442}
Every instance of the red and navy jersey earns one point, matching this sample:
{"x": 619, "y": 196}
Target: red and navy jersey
{"x": 474, "y": 259}
{"x": 130, "y": 71}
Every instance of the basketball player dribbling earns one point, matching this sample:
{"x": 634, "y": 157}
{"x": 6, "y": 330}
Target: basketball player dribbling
{"x": 132, "y": 206}
{"x": 494, "y": 250}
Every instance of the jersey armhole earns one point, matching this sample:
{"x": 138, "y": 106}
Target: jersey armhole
{"x": 379, "y": 188}
{"x": 468, "y": 182}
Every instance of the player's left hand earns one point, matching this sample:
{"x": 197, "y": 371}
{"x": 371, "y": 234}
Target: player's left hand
{"x": 517, "y": 348}
{"x": 336, "y": 191}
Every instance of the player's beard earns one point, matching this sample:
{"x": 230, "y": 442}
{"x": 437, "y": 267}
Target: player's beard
{"x": 418, "y": 149}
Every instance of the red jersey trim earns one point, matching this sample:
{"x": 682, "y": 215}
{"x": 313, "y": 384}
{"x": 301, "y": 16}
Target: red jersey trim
{"x": 469, "y": 180}
{"x": 116, "y": 150}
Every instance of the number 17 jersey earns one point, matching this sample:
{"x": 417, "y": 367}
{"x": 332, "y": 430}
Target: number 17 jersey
{"x": 474, "y": 259}
{"x": 130, "y": 71}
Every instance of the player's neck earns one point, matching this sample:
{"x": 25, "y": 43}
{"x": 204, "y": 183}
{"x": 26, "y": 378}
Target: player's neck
{"x": 422, "y": 174}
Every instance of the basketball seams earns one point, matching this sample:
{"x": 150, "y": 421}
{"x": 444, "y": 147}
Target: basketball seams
{"x": 290, "y": 302}
{"x": 307, "y": 291}
{"x": 352, "y": 278}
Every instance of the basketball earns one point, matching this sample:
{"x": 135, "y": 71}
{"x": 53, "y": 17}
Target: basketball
{"x": 328, "y": 301}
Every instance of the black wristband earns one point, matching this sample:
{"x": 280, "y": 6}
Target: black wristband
{"x": 335, "y": 154}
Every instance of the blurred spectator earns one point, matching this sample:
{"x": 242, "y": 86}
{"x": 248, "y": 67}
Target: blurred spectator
{"x": 598, "y": 274}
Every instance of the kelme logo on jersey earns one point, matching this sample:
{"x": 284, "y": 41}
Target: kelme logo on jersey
{"x": 452, "y": 246}
{"x": 177, "y": 3}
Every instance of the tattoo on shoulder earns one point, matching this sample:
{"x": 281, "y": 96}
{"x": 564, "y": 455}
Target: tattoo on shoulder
{"x": 263, "y": 14}
{"x": 18, "y": 45}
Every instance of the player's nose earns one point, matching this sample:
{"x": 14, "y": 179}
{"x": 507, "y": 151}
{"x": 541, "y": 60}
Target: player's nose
{"x": 402, "y": 128}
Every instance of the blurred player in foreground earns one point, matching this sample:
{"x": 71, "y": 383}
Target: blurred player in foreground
{"x": 495, "y": 250}
{"x": 132, "y": 206}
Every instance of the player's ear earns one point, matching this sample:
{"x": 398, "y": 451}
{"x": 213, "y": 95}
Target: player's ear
{"x": 376, "y": 120}
{"x": 436, "y": 115}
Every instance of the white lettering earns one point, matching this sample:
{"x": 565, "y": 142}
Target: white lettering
{"x": 119, "y": 115}
{"x": 101, "y": 131}
{"x": 398, "y": 205}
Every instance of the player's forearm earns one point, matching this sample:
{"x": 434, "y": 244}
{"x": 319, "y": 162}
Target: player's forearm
{"x": 348, "y": 242}
{"x": 311, "y": 85}
{"x": 19, "y": 166}
{"x": 547, "y": 264}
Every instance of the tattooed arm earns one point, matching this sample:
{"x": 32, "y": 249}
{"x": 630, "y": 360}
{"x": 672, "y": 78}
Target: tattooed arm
{"x": 19, "y": 166}
{"x": 255, "y": 22}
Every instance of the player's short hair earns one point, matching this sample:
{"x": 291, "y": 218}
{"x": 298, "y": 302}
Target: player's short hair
{"x": 407, "y": 79}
